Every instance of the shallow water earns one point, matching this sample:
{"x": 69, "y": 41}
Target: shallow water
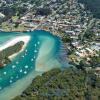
{"x": 39, "y": 55}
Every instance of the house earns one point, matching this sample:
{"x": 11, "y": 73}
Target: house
{"x": 2, "y": 15}
{"x": 97, "y": 71}
{"x": 70, "y": 32}
{"x": 1, "y": 30}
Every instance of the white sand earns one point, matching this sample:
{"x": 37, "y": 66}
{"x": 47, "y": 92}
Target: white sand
{"x": 45, "y": 60}
{"x": 15, "y": 89}
{"x": 13, "y": 41}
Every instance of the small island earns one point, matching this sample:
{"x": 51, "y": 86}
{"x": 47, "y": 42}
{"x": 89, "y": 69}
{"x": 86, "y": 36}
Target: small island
{"x": 9, "y": 51}
{"x": 11, "y": 48}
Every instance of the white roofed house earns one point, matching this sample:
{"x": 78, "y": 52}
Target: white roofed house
{"x": 97, "y": 71}
{"x": 2, "y": 16}
{"x": 70, "y": 32}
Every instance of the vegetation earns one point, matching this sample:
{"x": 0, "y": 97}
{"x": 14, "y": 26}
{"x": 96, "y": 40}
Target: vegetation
{"x": 4, "y": 54}
{"x": 10, "y": 11}
{"x": 66, "y": 38}
{"x": 89, "y": 36}
{"x": 43, "y": 11}
{"x": 93, "y": 6}
{"x": 67, "y": 84}
{"x": 95, "y": 61}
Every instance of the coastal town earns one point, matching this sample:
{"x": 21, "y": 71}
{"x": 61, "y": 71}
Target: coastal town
{"x": 69, "y": 20}
{"x": 79, "y": 31}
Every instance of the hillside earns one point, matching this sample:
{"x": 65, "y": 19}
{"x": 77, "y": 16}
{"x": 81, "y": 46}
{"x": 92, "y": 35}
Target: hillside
{"x": 22, "y": 6}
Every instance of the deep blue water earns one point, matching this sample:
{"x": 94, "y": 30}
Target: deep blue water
{"x": 42, "y": 47}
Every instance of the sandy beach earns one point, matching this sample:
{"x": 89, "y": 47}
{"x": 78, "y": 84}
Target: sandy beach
{"x": 13, "y": 41}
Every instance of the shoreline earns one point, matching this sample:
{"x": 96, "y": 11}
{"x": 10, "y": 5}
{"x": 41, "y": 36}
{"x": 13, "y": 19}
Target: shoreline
{"x": 13, "y": 41}
{"x": 10, "y": 90}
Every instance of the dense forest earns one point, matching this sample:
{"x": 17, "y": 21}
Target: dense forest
{"x": 63, "y": 84}
{"x": 93, "y": 6}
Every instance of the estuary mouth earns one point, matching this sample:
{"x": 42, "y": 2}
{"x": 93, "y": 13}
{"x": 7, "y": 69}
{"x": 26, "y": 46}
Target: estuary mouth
{"x": 36, "y": 55}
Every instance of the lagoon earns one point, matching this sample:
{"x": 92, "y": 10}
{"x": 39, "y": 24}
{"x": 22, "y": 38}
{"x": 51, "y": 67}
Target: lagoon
{"x": 39, "y": 55}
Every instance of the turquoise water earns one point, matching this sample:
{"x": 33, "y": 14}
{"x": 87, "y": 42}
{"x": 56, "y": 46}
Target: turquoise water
{"x": 39, "y": 55}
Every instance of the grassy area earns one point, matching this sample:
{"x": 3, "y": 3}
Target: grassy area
{"x": 11, "y": 27}
{"x": 15, "y": 18}
{"x": 5, "y": 26}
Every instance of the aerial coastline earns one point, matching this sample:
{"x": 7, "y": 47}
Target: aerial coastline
{"x": 51, "y": 49}
{"x": 31, "y": 59}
